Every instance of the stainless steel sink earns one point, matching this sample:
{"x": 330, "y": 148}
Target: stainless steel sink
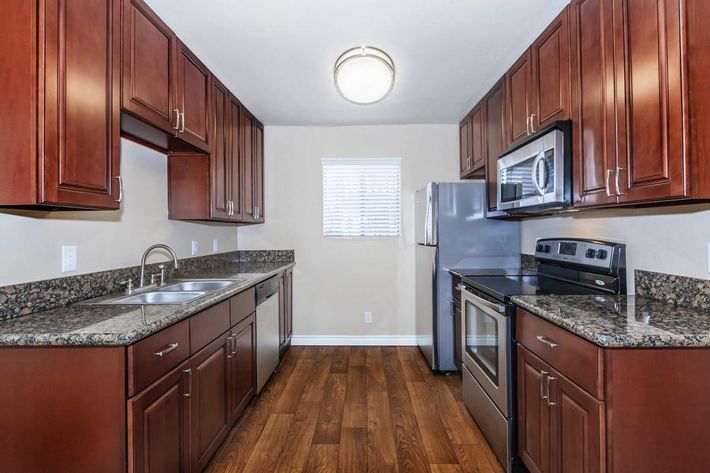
{"x": 179, "y": 292}
{"x": 204, "y": 285}
{"x": 159, "y": 297}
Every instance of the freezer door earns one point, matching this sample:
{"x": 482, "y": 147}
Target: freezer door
{"x": 426, "y": 216}
{"x": 426, "y": 267}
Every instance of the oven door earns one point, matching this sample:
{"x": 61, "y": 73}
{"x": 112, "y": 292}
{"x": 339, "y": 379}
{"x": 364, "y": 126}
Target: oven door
{"x": 533, "y": 175}
{"x": 486, "y": 341}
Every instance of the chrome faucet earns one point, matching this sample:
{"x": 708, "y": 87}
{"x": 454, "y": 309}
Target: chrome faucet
{"x": 147, "y": 252}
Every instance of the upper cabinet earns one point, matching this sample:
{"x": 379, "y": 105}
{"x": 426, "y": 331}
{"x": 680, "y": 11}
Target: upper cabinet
{"x": 60, "y": 126}
{"x": 495, "y": 131}
{"x": 518, "y": 91}
{"x": 193, "y": 99}
{"x": 252, "y": 136}
{"x": 149, "y": 67}
{"x": 472, "y": 143}
{"x": 550, "y": 57}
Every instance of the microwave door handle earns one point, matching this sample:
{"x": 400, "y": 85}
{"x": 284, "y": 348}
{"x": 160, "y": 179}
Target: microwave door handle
{"x": 536, "y": 164}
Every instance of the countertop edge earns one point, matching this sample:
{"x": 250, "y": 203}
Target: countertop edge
{"x": 79, "y": 340}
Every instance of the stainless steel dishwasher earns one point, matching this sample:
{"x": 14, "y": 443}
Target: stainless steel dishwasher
{"x": 267, "y": 330}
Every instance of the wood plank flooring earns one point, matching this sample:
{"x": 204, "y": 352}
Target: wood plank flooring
{"x": 359, "y": 410}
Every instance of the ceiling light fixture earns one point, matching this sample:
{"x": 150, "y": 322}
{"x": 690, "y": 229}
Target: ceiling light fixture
{"x": 364, "y": 75}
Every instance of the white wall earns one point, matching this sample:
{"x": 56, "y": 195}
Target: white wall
{"x": 667, "y": 239}
{"x": 30, "y": 242}
{"x": 337, "y": 280}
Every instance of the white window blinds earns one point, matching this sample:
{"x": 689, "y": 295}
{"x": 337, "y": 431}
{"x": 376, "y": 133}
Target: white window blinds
{"x": 361, "y": 197}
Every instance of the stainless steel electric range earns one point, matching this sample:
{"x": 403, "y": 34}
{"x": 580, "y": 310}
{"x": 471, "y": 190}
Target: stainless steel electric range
{"x": 564, "y": 266}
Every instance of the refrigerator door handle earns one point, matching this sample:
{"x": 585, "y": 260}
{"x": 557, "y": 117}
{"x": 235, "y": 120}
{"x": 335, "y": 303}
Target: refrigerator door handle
{"x": 427, "y": 219}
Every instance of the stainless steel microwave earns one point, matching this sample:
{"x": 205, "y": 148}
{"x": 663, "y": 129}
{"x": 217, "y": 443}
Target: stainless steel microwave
{"x": 535, "y": 175}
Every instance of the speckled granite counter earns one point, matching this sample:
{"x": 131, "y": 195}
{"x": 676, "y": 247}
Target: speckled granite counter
{"x": 122, "y": 325}
{"x": 623, "y": 321}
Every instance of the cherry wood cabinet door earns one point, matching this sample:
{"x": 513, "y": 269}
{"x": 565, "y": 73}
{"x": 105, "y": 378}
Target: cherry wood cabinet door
{"x": 209, "y": 403}
{"x": 465, "y": 146}
{"x": 478, "y": 157}
{"x": 220, "y": 161}
{"x": 577, "y": 430}
{"x": 518, "y": 82}
{"x": 652, "y": 147}
{"x": 193, "y": 86}
{"x": 259, "y": 171}
{"x": 235, "y": 159}
{"x": 594, "y": 129}
{"x": 149, "y": 67}
{"x": 533, "y": 413}
{"x": 551, "y": 73}
{"x": 243, "y": 366}
{"x": 158, "y": 426}
{"x": 494, "y": 138}
{"x": 246, "y": 127}
{"x": 82, "y": 74}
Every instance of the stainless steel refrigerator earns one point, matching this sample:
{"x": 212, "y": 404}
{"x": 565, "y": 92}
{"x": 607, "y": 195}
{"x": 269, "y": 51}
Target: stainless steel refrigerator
{"x": 452, "y": 232}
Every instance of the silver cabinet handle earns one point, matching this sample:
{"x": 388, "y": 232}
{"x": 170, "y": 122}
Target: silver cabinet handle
{"x": 548, "y": 398}
{"x": 120, "y": 189}
{"x": 229, "y": 208}
{"x": 177, "y": 119}
{"x": 189, "y": 382}
{"x": 451, "y": 307}
{"x": 182, "y": 127}
{"x": 543, "y": 375}
{"x": 532, "y": 123}
{"x": 608, "y": 175}
{"x": 166, "y": 350}
{"x": 527, "y": 126}
{"x": 230, "y": 349}
{"x": 234, "y": 344}
{"x": 460, "y": 287}
{"x": 546, "y": 341}
{"x": 616, "y": 180}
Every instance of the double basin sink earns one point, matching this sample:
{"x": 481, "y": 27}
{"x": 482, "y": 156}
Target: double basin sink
{"x": 179, "y": 292}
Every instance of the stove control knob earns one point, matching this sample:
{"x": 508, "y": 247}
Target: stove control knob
{"x": 546, "y": 248}
{"x": 602, "y": 254}
{"x": 539, "y": 248}
{"x": 590, "y": 253}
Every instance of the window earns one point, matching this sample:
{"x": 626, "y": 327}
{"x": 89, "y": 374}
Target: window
{"x": 361, "y": 197}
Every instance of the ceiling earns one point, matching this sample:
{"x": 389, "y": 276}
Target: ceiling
{"x": 277, "y": 56}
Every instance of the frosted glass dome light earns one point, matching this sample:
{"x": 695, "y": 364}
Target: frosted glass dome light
{"x": 364, "y": 75}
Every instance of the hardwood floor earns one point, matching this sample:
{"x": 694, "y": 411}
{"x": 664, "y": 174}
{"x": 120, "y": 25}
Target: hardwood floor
{"x": 357, "y": 409}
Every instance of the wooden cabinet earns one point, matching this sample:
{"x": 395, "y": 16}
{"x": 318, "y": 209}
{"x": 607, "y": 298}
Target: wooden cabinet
{"x": 259, "y": 172}
{"x": 242, "y": 365}
{"x": 495, "y": 129}
{"x": 220, "y": 157}
{"x": 533, "y": 412}
{"x": 149, "y": 67}
{"x": 518, "y": 97}
{"x": 158, "y": 437}
{"x": 235, "y": 161}
{"x": 60, "y": 126}
{"x": 550, "y": 58}
{"x": 455, "y": 312}
{"x": 209, "y": 386}
{"x": 193, "y": 98}
{"x": 285, "y": 311}
{"x": 471, "y": 142}
{"x": 465, "y": 146}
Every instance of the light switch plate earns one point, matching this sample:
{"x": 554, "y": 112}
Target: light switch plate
{"x": 368, "y": 317}
{"x": 215, "y": 245}
{"x": 194, "y": 247}
{"x": 68, "y": 259}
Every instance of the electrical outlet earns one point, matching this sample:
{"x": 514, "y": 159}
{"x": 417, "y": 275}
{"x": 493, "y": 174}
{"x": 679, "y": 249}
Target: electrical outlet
{"x": 68, "y": 259}
{"x": 368, "y": 317}
{"x": 708, "y": 257}
{"x": 215, "y": 245}
{"x": 194, "y": 247}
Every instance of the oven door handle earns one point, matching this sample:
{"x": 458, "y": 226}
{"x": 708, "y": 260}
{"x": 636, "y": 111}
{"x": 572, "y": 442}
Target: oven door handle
{"x": 536, "y": 164}
{"x": 491, "y": 305}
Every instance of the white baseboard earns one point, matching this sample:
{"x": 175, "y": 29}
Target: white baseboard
{"x": 355, "y": 340}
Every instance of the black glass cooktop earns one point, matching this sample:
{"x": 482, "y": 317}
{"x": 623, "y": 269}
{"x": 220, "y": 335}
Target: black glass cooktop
{"x": 504, "y": 286}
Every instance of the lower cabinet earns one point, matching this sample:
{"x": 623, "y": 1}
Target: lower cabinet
{"x": 285, "y": 311}
{"x": 242, "y": 366}
{"x": 158, "y": 434}
{"x": 209, "y": 389}
{"x": 455, "y": 309}
{"x": 559, "y": 425}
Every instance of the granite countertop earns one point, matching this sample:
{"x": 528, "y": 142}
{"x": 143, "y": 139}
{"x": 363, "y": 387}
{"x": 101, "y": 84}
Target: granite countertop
{"x": 623, "y": 321}
{"x": 84, "y": 325}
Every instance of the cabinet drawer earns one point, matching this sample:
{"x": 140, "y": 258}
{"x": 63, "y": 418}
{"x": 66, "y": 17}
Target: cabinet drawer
{"x": 154, "y": 356}
{"x": 242, "y": 305}
{"x": 577, "y": 359}
{"x": 208, "y": 325}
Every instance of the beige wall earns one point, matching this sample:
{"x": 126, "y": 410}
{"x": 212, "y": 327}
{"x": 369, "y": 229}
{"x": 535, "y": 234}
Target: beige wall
{"x": 668, "y": 239}
{"x": 30, "y": 243}
{"x": 337, "y": 280}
